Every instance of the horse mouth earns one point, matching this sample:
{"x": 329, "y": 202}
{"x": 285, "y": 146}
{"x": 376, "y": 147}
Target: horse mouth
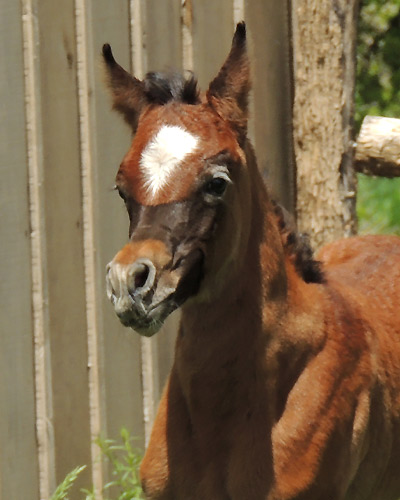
{"x": 146, "y": 308}
{"x": 148, "y": 322}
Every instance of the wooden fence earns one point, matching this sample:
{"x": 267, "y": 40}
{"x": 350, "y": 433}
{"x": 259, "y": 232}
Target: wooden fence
{"x": 69, "y": 370}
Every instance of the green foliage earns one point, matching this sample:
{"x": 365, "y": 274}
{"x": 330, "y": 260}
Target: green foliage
{"x": 378, "y": 205}
{"x": 63, "y": 488}
{"x": 124, "y": 461}
{"x": 378, "y": 93}
{"x": 378, "y": 62}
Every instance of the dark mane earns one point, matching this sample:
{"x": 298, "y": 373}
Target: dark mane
{"x": 297, "y": 245}
{"x": 161, "y": 88}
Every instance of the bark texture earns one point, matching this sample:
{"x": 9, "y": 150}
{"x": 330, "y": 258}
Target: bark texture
{"x": 377, "y": 150}
{"x": 324, "y": 37}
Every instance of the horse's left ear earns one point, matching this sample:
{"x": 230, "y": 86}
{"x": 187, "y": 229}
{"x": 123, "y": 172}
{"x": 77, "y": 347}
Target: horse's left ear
{"x": 228, "y": 92}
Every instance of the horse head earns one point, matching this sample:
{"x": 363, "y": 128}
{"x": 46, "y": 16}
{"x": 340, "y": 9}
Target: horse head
{"x": 185, "y": 184}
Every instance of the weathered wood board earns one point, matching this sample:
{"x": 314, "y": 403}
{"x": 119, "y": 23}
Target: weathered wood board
{"x": 19, "y": 472}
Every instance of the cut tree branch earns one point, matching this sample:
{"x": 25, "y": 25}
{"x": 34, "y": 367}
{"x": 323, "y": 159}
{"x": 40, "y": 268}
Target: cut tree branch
{"x": 377, "y": 151}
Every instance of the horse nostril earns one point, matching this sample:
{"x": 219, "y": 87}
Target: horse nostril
{"x": 142, "y": 276}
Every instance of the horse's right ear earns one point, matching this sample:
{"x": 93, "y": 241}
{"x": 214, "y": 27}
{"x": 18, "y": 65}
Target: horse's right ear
{"x": 127, "y": 91}
{"x": 228, "y": 92}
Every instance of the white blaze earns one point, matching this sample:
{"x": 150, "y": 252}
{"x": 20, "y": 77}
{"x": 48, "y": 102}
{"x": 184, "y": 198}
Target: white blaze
{"x": 163, "y": 154}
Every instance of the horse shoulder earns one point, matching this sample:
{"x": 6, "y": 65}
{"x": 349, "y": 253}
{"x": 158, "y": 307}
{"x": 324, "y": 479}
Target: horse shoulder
{"x": 316, "y": 439}
{"x": 366, "y": 270}
{"x": 342, "y": 404}
{"x": 170, "y": 467}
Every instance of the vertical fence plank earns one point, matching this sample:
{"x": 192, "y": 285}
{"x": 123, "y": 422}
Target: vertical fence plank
{"x": 119, "y": 348}
{"x": 163, "y": 40}
{"x": 84, "y": 82}
{"x": 40, "y": 330}
{"x": 164, "y": 52}
{"x": 64, "y": 238}
{"x": 271, "y": 110}
{"x": 18, "y": 450}
{"x": 160, "y": 25}
{"x": 212, "y": 30}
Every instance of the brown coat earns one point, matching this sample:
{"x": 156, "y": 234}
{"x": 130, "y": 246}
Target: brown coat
{"x": 286, "y": 380}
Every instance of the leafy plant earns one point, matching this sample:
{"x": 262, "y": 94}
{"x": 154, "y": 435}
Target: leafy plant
{"x": 378, "y": 93}
{"x": 124, "y": 460}
{"x": 378, "y": 64}
{"x": 63, "y": 488}
{"x": 378, "y": 205}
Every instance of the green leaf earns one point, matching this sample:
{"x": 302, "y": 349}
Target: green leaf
{"x": 63, "y": 488}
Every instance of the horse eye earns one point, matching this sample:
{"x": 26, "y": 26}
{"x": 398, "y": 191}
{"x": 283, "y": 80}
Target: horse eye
{"x": 216, "y": 186}
{"x": 121, "y": 194}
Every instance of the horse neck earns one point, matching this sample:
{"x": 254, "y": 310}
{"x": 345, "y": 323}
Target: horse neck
{"x": 234, "y": 329}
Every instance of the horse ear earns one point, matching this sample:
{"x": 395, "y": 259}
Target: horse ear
{"x": 127, "y": 91}
{"x": 228, "y": 92}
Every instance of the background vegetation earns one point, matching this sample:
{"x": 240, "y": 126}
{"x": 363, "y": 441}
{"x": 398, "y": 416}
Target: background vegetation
{"x": 378, "y": 93}
{"x": 122, "y": 460}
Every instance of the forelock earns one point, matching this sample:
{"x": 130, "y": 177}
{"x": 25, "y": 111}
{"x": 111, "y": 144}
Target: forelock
{"x": 161, "y": 88}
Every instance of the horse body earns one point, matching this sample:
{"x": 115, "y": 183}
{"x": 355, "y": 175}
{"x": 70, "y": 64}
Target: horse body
{"x": 286, "y": 377}
{"x": 307, "y": 407}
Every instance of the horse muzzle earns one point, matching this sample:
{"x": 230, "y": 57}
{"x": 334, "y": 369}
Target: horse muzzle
{"x": 145, "y": 283}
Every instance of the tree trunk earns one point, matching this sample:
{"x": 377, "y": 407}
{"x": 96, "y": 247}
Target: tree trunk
{"x": 324, "y": 39}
